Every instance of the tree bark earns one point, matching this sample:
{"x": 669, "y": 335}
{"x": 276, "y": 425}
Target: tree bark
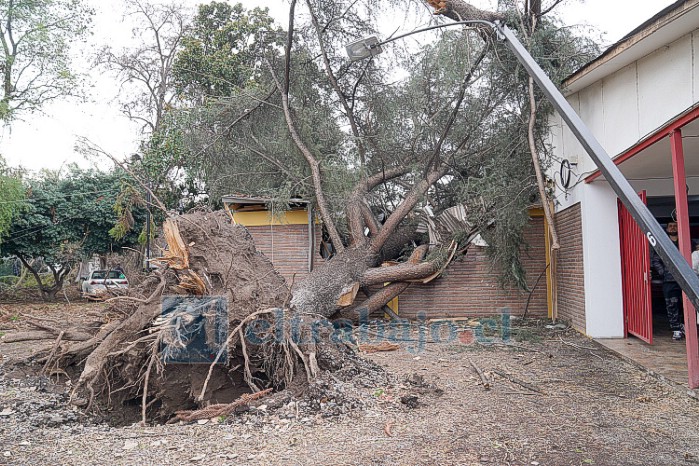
{"x": 458, "y": 10}
{"x": 400, "y": 272}
{"x": 405, "y": 207}
{"x": 32, "y": 335}
{"x": 382, "y": 297}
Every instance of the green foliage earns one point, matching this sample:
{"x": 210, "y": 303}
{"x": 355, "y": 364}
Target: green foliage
{"x": 143, "y": 235}
{"x": 222, "y": 51}
{"x": 36, "y": 37}
{"x": 12, "y": 195}
{"x": 453, "y": 99}
{"x": 69, "y": 217}
{"x": 127, "y": 199}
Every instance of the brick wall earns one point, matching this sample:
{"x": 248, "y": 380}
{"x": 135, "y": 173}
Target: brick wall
{"x": 287, "y": 247}
{"x": 570, "y": 272}
{"x": 469, "y": 286}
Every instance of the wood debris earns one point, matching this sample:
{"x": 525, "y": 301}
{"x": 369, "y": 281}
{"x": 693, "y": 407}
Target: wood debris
{"x": 221, "y": 409}
{"x": 484, "y": 379}
{"x": 383, "y": 346}
{"x": 517, "y": 381}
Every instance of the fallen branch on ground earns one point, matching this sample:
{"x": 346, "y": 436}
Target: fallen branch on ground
{"x": 68, "y": 335}
{"x": 484, "y": 380}
{"x": 217, "y": 410}
{"x": 517, "y": 381}
{"x": 383, "y": 346}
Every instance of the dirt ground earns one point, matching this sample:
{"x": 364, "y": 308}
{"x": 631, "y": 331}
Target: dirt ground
{"x": 579, "y": 405}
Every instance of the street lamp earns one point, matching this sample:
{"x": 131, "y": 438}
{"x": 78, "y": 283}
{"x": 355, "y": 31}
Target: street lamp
{"x": 657, "y": 237}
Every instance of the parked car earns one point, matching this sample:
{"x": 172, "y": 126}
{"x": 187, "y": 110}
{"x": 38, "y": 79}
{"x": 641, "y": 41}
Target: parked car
{"x": 98, "y": 282}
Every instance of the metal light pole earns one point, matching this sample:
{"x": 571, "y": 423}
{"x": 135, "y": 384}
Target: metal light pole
{"x": 681, "y": 270}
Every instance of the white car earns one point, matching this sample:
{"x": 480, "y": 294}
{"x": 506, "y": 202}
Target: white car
{"x": 98, "y": 282}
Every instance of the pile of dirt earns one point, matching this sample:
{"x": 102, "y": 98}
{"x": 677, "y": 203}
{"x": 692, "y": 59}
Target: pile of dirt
{"x": 208, "y": 327}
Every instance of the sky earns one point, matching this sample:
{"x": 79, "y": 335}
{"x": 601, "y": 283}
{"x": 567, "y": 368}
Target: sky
{"x": 47, "y": 140}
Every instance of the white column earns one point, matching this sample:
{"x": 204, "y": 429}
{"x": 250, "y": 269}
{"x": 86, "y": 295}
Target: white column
{"x": 602, "y": 256}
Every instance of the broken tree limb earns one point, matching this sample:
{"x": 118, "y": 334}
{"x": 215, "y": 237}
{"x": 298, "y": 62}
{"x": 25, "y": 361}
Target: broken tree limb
{"x": 401, "y": 272}
{"x": 218, "y": 409}
{"x": 555, "y": 245}
{"x": 68, "y": 335}
{"x": 484, "y": 380}
{"x": 517, "y": 381}
{"x": 379, "y": 299}
{"x": 458, "y": 10}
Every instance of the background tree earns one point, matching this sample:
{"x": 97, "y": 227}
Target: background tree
{"x": 221, "y": 53}
{"x": 147, "y": 95}
{"x": 68, "y": 218}
{"x": 11, "y": 198}
{"x": 35, "y": 62}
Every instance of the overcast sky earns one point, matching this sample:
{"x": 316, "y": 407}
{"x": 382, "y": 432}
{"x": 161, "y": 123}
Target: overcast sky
{"x": 48, "y": 140}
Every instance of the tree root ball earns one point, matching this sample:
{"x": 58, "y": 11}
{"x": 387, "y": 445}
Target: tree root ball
{"x": 209, "y": 327}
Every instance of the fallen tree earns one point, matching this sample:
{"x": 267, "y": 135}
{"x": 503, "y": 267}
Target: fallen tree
{"x": 440, "y": 139}
{"x": 267, "y": 345}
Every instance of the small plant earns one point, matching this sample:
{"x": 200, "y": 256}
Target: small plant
{"x": 14, "y": 318}
{"x": 525, "y": 334}
{"x": 378, "y": 392}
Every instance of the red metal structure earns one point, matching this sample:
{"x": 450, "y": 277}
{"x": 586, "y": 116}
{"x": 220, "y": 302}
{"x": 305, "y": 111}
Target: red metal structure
{"x": 685, "y": 245}
{"x": 635, "y": 274}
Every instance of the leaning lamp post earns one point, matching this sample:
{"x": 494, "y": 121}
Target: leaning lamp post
{"x": 671, "y": 256}
{"x": 687, "y": 279}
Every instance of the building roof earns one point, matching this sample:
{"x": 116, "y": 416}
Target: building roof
{"x": 665, "y": 27}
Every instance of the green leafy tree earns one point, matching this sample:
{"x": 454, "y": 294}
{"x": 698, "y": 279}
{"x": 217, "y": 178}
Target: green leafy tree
{"x": 439, "y": 123}
{"x": 221, "y": 52}
{"x": 69, "y": 217}
{"x": 35, "y": 55}
{"x": 12, "y": 194}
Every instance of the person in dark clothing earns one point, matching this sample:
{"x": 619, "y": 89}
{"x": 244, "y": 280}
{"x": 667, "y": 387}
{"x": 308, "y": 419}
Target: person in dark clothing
{"x": 671, "y": 290}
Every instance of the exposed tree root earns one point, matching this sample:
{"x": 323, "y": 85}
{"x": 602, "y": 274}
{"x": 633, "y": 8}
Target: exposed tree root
{"x": 217, "y": 410}
{"x": 267, "y": 346}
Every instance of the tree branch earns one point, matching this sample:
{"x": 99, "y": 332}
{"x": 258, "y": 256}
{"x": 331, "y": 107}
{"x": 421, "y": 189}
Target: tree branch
{"x": 404, "y": 208}
{"x": 310, "y": 158}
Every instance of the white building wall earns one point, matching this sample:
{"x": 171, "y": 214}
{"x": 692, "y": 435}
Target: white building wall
{"x": 620, "y": 110}
{"x": 664, "y": 85}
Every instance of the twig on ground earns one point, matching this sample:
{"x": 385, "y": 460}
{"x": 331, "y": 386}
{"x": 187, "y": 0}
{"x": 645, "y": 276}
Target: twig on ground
{"x": 517, "y": 381}
{"x": 484, "y": 380}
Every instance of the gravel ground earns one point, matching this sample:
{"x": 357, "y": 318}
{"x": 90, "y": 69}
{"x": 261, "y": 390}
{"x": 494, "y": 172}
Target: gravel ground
{"x": 579, "y": 405}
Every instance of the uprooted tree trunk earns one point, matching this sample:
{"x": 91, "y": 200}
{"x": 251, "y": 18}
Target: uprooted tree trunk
{"x": 264, "y": 345}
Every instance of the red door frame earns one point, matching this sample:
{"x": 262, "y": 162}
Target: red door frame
{"x": 685, "y": 245}
{"x": 635, "y": 275}
{"x": 673, "y": 130}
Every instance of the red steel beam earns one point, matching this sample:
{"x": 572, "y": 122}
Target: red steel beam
{"x": 652, "y": 139}
{"x": 685, "y": 245}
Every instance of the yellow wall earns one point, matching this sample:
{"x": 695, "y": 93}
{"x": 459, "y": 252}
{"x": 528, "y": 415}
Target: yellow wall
{"x": 265, "y": 218}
